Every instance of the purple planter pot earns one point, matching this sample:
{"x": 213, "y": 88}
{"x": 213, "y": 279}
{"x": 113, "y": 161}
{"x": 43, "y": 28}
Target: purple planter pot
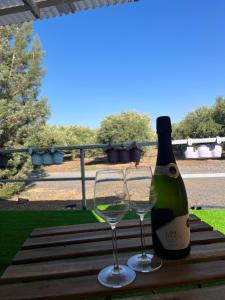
{"x": 112, "y": 156}
{"x": 124, "y": 156}
{"x": 3, "y": 161}
{"x": 135, "y": 155}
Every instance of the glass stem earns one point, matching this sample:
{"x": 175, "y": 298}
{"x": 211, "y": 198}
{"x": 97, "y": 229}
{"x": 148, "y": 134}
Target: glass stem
{"x": 143, "y": 245}
{"x": 115, "y": 251}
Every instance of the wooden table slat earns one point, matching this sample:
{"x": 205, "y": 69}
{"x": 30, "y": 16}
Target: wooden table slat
{"x": 66, "y": 239}
{"x": 75, "y": 288}
{"x": 89, "y": 227}
{"x": 103, "y": 247}
{"x": 74, "y": 267}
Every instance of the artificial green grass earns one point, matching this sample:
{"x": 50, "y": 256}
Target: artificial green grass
{"x": 215, "y": 218}
{"x": 16, "y": 226}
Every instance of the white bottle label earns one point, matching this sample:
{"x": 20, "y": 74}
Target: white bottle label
{"x": 175, "y": 235}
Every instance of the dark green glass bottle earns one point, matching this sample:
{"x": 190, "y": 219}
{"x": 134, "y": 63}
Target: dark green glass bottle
{"x": 170, "y": 227}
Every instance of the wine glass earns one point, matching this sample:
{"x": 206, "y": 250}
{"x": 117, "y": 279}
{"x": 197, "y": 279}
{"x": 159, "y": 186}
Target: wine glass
{"x": 138, "y": 180}
{"x": 111, "y": 202}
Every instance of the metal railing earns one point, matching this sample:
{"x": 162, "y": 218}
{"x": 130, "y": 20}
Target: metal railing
{"x": 83, "y": 148}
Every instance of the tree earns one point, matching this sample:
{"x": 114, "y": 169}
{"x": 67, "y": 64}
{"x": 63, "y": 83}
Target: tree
{"x": 219, "y": 114}
{"x": 125, "y": 127}
{"x": 80, "y": 135}
{"x": 197, "y": 124}
{"x": 63, "y": 136}
{"x": 22, "y": 112}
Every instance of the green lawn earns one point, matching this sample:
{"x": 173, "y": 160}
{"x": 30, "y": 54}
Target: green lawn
{"x": 16, "y": 226}
{"x": 216, "y": 218}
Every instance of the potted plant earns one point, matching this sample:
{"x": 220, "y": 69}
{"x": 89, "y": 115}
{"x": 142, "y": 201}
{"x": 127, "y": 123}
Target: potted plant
{"x": 36, "y": 157}
{"x": 204, "y": 151}
{"x": 217, "y": 148}
{"x": 112, "y": 154}
{"x": 4, "y": 158}
{"x": 57, "y": 156}
{"x": 190, "y": 152}
{"x": 135, "y": 153}
{"x": 124, "y": 155}
{"x": 47, "y": 158}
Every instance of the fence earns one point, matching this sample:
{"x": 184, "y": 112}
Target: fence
{"x": 83, "y": 148}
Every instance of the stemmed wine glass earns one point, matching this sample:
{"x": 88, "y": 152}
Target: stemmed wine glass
{"x": 111, "y": 202}
{"x": 138, "y": 180}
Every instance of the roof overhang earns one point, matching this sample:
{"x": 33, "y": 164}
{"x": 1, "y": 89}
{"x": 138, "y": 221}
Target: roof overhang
{"x": 19, "y": 11}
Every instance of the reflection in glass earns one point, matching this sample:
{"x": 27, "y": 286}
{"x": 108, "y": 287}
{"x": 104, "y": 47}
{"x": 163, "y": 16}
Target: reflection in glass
{"x": 138, "y": 180}
{"x": 111, "y": 202}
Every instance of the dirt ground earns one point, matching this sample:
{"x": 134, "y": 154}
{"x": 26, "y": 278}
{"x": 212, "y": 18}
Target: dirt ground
{"x": 100, "y": 163}
{"x": 67, "y": 194}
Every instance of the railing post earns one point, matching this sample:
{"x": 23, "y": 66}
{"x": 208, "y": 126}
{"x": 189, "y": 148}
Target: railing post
{"x": 82, "y": 170}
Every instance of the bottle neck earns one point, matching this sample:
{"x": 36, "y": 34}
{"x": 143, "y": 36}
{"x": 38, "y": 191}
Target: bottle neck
{"x": 165, "y": 151}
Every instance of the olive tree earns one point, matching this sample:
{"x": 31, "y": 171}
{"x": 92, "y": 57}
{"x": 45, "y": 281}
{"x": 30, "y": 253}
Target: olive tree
{"x": 125, "y": 127}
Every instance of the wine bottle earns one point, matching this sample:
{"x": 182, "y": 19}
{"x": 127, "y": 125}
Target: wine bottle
{"x": 170, "y": 227}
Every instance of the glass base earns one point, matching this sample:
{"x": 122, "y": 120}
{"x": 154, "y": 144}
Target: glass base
{"x": 110, "y": 277}
{"x": 144, "y": 263}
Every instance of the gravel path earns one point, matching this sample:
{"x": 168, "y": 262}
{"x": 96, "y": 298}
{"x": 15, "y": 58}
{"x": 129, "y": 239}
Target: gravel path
{"x": 58, "y": 195}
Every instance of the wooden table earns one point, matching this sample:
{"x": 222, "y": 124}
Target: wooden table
{"x": 63, "y": 262}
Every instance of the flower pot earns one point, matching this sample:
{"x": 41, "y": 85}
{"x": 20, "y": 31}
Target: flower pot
{"x": 124, "y": 156}
{"x": 3, "y": 161}
{"x": 135, "y": 155}
{"x": 36, "y": 159}
{"x": 217, "y": 151}
{"x": 58, "y": 157}
{"x": 112, "y": 155}
{"x": 204, "y": 151}
{"x": 191, "y": 153}
{"x": 47, "y": 158}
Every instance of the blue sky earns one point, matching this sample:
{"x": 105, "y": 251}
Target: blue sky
{"x": 153, "y": 56}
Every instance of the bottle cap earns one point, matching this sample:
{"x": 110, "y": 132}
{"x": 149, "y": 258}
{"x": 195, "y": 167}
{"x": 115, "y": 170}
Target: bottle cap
{"x": 163, "y": 124}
